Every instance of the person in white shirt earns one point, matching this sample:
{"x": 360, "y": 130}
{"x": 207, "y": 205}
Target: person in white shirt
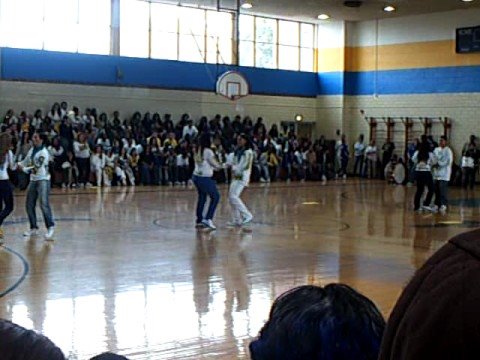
{"x": 205, "y": 164}
{"x": 241, "y": 172}
{"x": 190, "y": 130}
{"x": 82, "y": 152}
{"x": 359, "y": 151}
{"x": 36, "y": 164}
{"x": 6, "y": 193}
{"x": 442, "y": 172}
{"x": 371, "y": 159}
{"x": 98, "y": 163}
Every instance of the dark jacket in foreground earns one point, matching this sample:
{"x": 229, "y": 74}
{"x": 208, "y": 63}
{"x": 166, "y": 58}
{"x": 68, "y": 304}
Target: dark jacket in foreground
{"x": 438, "y": 313}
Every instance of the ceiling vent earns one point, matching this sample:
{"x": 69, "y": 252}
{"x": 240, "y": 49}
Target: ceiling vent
{"x": 353, "y": 3}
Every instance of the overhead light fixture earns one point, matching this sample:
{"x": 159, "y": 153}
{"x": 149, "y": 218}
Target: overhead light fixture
{"x": 298, "y": 117}
{"x": 467, "y": 0}
{"x": 323, "y": 17}
{"x": 389, "y": 8}
{"x": 247, "y": 5}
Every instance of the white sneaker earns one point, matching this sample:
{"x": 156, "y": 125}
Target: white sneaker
{"x": 50, "y": 232}
{"x": 209, "y": 224}
{"x": 262, "y": 180}
{"x": 344, "y": 176}
{"x": 324, "y": 178}
{"x": 443, "y": 208}
{"x": 247, "y": 220}
{"x": 31, "y": 232}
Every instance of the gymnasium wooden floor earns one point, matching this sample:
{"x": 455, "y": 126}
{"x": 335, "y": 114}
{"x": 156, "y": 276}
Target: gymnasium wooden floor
{"x": 128, "y": 273}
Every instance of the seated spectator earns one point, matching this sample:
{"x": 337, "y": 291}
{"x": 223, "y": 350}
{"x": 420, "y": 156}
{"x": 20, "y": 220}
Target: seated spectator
{"x": 313, "y": 322}
{"x": 70, "y": 171}
{"x": 436, "y": 317}
{"x": 18, "y": 343}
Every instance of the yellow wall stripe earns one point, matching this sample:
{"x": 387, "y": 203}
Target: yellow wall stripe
{"x": 400, "y": 56}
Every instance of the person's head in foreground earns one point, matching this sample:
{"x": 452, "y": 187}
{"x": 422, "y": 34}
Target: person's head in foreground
{"x": 320, "y": 323}
{"x": 438, "y": 314}
{"x": 18, "y": 343}
{"x": 109, "y": 356}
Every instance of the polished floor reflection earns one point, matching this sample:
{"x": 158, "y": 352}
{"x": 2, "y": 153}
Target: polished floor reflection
{"x": 128, "y": 273}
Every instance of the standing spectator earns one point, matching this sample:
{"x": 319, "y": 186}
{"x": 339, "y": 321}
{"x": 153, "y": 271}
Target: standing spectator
{"x": 468, "y": 166}
{"x": 442, "y": 172}
{"x": 388, "y": 148}
{"x": 98, "y": 164}
{"x": 359, "y": 151}
{"x": 82, "y": 154}
{"x": 371, "y": 159}
{"x": 344, "y": 156}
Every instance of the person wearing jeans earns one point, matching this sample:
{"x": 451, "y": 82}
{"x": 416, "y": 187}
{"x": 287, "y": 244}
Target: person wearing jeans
{"x": 205, "y": 163}
{"x": 442, "y": 173}
{"x": 36, "y": 164}
{"x": 6, "y": 193}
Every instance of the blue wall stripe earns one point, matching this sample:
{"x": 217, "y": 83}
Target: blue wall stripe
{"x": 48, "y": 66}
{"x": 462, "y": 79}
{"x": 331, "y": 83}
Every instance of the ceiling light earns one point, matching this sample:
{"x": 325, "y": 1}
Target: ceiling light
{"x": 323, "y": 17}
{"x": 467, "y": 0}
{"x": 247, "y": 5}
{"x": 298, "y": 117}
{"x": 389, "y": 8}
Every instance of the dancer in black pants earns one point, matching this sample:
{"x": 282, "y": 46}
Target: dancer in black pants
{"x": 6, "y": 194}
{"x": 423, "y": 159}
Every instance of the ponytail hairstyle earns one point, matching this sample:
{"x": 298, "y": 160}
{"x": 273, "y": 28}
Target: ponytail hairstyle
{"x": 423, "y": 150}
{"x": 204, "y": 142}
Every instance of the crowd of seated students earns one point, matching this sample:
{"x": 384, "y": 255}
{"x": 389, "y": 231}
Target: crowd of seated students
{"x": 436, "y": 317}
{"x": 151, "y": 149}
{"x": 158, "y": 150}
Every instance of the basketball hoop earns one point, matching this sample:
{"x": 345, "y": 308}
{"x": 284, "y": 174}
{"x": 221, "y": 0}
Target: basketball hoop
{"x": 232, "y": 85}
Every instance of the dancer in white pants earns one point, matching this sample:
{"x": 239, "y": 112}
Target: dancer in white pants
{"x": 241, "y": 171}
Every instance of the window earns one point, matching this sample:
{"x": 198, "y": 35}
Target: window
{"x": 20, "y": 28}
{"x": 288, "y": 33}
{"x": 247, "y": 38}
{"x": 288, "y": 57}
{"x": 219, "y": 37}
{"x": 307, "y": 32}
{"x": 192, "y": 35}
{"x": 94, "y": 26}
{"x": 57, "y": 25}
{"x": 266, "y": 39}
{"x": 247, "y": 57}
{"x": 288, "y": 50}
{"x": 306, "y": 60}
{"x": 134, "y": 28}
{"x": 60, "y": 21}
{"x": 164, "y": 23}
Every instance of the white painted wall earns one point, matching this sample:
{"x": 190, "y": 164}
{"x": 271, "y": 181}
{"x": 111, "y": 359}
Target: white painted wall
{"x": 31, "y": 96}
{"x": 410, "y": 29}
{"x": 464, "y": 109}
